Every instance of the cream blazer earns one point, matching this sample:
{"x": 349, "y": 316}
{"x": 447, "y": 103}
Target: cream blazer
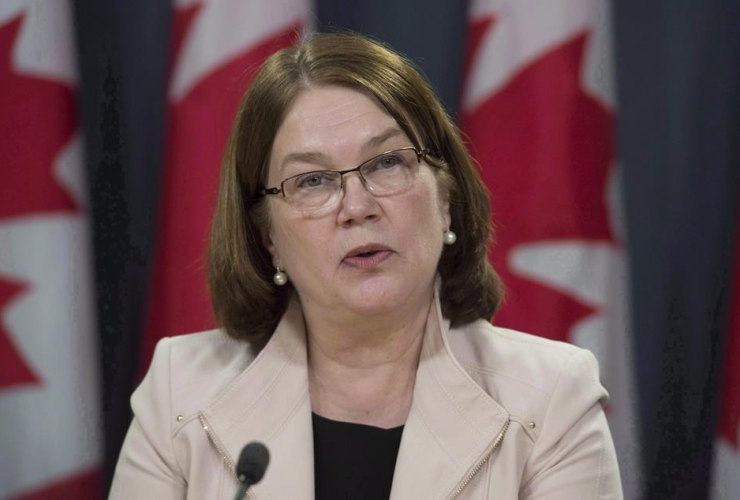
{"x": 496, "y": 414}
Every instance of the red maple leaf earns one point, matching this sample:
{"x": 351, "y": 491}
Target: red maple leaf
{"x": 545, "y": 147}
{"x": 198, "y": 127}
{"x": 38, "y": 119}
{"x": 13, "y": 370}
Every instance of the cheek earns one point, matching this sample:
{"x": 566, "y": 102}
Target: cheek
{"x": 282, "y": 233}
{"x": 424, "y": 223}
{"x": 288, "y": 242}
{"x": 299, "y": 243}
{"x": 430, "y": 210}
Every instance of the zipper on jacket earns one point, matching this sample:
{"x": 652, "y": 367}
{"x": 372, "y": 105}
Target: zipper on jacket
{"x": 227, "y": 461}
{"x": 481, "y": 462}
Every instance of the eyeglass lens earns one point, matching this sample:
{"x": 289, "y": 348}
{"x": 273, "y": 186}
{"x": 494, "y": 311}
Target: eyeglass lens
{"x": 390, "y": 173}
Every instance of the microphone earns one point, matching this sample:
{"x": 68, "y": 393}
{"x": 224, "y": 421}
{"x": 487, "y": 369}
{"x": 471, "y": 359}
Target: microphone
{"x": 251, "y": 467}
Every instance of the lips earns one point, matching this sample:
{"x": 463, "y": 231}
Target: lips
{"x": 367, "y": 256}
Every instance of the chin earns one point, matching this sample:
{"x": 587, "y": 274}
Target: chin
{"x": 379, "y": 295}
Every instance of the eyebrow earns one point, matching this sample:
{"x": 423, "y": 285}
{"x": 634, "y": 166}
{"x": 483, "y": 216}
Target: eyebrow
{"x": 379, "y": 139}
{"x": 319, "y": 158}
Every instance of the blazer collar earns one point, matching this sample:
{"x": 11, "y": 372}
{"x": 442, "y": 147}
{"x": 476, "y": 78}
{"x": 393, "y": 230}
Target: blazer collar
{"x": 451, "y": 427}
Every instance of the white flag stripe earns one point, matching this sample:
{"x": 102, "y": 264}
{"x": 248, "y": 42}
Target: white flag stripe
{"x": 598, "y": 73}
{"x": 726, "y": 471}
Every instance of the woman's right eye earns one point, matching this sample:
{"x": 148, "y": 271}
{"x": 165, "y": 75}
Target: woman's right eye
{"x": 313, "y": 180}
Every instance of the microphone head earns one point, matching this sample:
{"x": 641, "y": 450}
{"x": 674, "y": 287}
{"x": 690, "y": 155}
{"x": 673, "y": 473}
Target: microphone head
{"x": 252, "y": 463}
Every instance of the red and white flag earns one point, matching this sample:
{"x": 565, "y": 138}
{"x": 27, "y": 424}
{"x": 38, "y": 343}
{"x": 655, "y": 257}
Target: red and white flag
{"x": 50, "y": 437}
{"x": 538, "y": 107}
{"x": 726, "y": 466}
{"x": 217, "y": 45}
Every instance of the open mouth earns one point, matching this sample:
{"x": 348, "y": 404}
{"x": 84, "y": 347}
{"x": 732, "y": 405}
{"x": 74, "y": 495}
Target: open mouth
{"x": 367, "y": 256}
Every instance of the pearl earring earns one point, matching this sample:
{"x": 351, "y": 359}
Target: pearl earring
{"x": 449, "y": 237}
{"x": 280, "y": 278}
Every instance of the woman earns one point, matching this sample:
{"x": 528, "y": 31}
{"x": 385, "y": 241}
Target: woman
{"x": 348, "y": 270}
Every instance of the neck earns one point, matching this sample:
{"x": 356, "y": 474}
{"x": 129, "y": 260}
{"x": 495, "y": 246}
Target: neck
{"x": 365, "y": 375}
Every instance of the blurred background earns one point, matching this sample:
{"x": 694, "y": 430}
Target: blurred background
{"x": 608, "y": 134}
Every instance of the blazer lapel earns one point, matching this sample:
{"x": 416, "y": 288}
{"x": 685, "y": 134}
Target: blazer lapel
{"x": 269, "y": 402}
{"x": 452, "y": 426}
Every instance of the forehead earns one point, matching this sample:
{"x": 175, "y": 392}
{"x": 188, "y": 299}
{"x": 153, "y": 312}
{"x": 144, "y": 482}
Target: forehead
{"x": 333, "y": 120}
{"x": 332, "y": 107}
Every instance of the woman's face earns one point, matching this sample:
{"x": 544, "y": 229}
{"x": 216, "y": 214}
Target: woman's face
{"x": 324, "y": 252}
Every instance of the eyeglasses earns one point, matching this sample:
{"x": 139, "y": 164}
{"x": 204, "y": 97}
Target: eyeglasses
{"x": 392, "y": 172}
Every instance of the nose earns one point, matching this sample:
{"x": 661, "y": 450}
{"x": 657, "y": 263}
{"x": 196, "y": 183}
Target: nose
{"x": 358, "y": 205}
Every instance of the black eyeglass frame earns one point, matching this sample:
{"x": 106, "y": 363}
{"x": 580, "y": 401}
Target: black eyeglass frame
{"x": 275, "y": 190}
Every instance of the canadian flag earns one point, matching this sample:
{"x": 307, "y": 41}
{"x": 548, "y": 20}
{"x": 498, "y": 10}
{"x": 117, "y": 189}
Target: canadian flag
{"x": 726, "y": 466}
{"x": 538, "y": 107}
{"x": 218, "y": 44}
{"x": 50, "y": 437}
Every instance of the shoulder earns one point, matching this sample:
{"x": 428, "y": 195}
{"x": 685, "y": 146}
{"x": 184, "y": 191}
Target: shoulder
{"x": 524, "y": 373}
{"x": 190, "y": 371}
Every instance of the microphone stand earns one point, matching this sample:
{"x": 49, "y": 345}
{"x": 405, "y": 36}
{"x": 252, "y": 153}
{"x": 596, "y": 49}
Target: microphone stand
{"x": 241, "y": 491}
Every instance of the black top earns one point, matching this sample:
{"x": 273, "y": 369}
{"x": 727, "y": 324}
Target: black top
{"x": 353, "y": 461}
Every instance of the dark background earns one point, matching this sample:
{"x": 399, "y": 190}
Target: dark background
{"x": 678, "y": 88}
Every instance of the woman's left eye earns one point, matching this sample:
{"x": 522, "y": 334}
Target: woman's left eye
{"x": 388, "y": 161}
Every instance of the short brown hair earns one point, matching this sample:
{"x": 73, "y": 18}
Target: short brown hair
{"x": 245, "y": 301}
